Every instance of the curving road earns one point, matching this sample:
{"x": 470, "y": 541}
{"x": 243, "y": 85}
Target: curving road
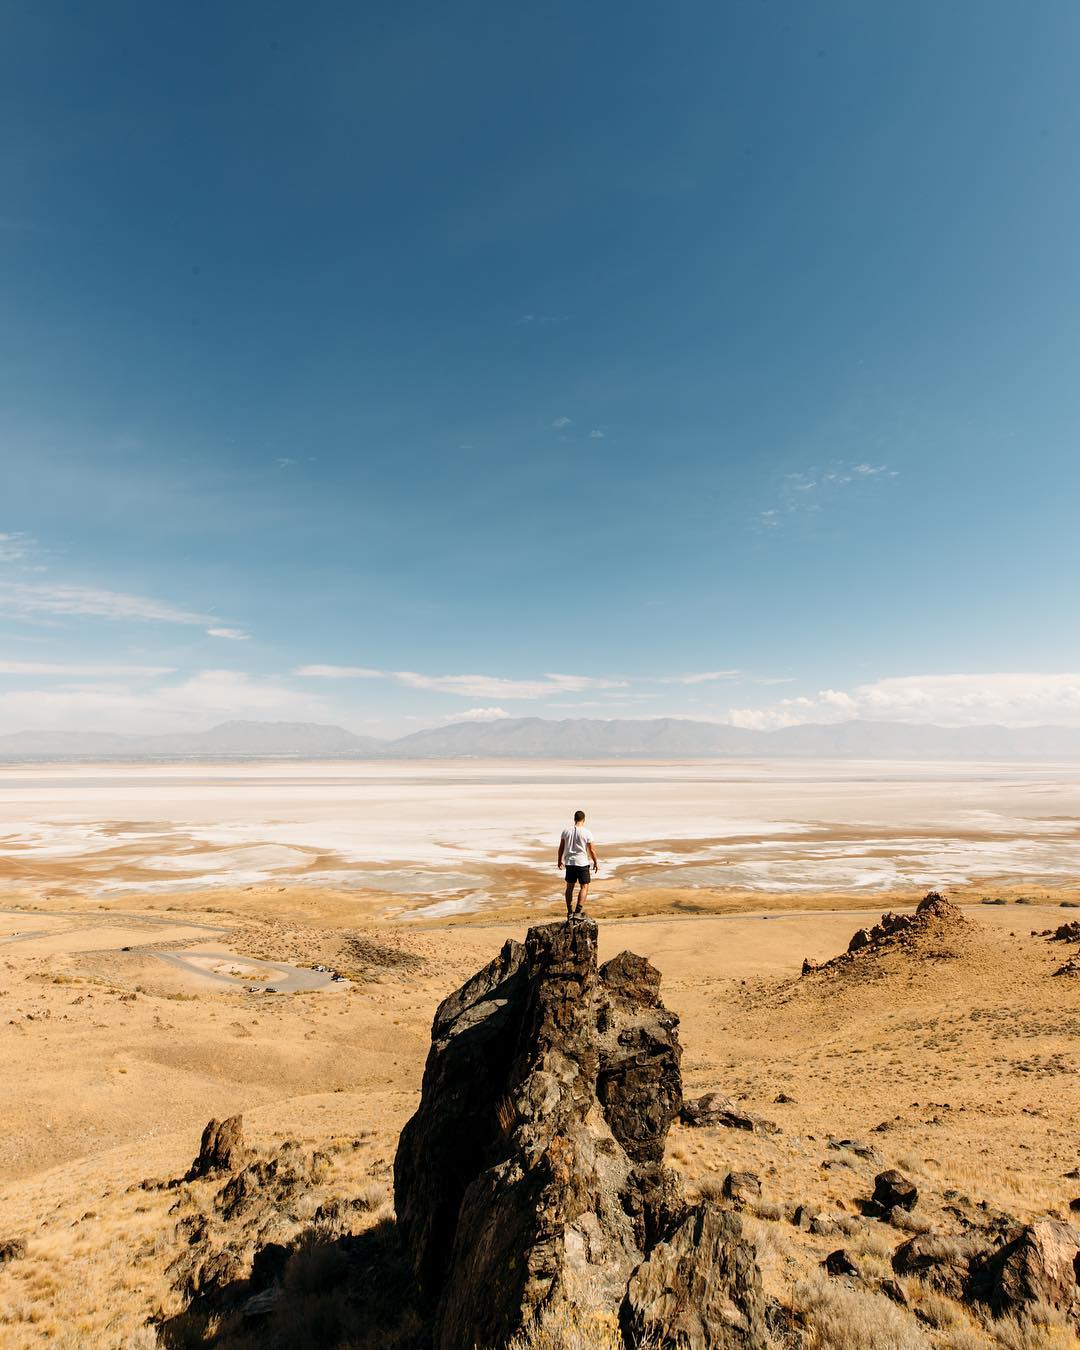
{"x": 286, "y": 979}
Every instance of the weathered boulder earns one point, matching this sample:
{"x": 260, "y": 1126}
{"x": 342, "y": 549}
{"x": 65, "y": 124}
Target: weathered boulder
{"x": 859, "y": 939}
{"x": 742, "y": 1187}
{"x": 221, "y": 1148}
{"x": 809, "y": 965}
{"x": 12, "y": 1249}
{"x": 893, "y": 1190}
{"x": 531, "y": 1175}
{"x": 272, "y": 1184}
{"x": 944, "y": 1263}
{"x": 860, "y": 1148}
{"x": 840, "y": 1263}
{"x": 700, "y": 1289}
{"x": 1067, "y": 932}
{"x": 714, "y": 1109}
{"x": 1040, "y": 1265}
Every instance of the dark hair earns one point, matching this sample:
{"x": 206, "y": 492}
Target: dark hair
{"x": 578, "y": 815}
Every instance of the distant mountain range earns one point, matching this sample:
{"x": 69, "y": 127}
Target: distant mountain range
{"x": 577, "y": 738}
{"x": 230, "y": 738}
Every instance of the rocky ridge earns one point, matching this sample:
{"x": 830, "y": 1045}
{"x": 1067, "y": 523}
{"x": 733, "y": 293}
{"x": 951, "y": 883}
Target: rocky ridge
{"x": 935, "y": 931}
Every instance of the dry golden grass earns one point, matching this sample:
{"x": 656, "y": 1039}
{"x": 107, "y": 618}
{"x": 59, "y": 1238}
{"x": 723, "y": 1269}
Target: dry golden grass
{"x": 969, "y": 1066}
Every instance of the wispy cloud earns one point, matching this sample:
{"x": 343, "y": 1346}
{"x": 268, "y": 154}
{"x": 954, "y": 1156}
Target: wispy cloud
{"x": 561, "y": 423}
{"x": 78, "y": 669}
{"x": 51, "y": 598}
{"x": 468, "y": 686}
{"x": 598, "y": 433}
{"x": 14, "y": 547}
{"x": 34, "y": 599}
{"x": 701, "y": 677}
{"x": 807, "y": 493}
{"x": 232, "y": 634}
{"x": 480, "y": 715}
{"x": 947, "y": 700}
{"x": 341, "y": 673}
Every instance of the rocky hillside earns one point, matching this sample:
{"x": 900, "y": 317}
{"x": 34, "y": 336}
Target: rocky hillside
{"x": 536, "y": 1208}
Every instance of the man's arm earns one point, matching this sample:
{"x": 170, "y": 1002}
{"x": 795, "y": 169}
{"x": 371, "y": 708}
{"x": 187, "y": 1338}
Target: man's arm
{"x": 592, "y": 855}
{"x": 562, "y": 849}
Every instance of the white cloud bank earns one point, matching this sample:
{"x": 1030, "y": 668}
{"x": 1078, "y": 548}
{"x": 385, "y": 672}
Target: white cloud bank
{"x": 187, "y": 705}
{"x": 1012, "y": 700}
{"x": 480, "y": 715}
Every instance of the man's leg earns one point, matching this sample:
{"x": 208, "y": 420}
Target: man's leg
{"x": 569, "y": 898}
{"x": 582, "y": 896}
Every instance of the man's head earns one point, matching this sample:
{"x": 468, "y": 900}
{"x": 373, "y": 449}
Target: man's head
{"x": 579, "y": 817}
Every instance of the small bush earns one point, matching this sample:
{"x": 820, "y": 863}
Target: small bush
{"x": 1040, "y": 1328}
{"x": 840, "y": 1318}
{"x": 567, "y": 1328}
{"x": 372, "y": 1197}
{"x": 315, "y": 1266}
{"x": 939, "y": 1311}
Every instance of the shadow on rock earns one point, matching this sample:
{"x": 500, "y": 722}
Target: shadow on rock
{"x": 319, "y": 1291}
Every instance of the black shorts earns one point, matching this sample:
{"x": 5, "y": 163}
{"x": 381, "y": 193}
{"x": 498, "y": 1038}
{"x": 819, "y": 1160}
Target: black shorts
{"x": 581, "y": 875}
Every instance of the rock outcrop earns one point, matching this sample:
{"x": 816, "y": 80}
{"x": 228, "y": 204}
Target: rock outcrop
{"x": 934, "y": 930}
{"x": 532, "y": 1175}
{"x": 1035, "y": 1264}
{"x": 1040, "y": 1265}
{"x": 700, "y": 1289}
{"x": 221, "y": 1148}
{"x": 714, "y": 1109}
{"x": 946, "y": 1264}
{"x": 893, "y": 1190}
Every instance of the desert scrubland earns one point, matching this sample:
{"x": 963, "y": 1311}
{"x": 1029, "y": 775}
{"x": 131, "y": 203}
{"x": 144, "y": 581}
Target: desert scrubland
{"x": 148, "y": 912}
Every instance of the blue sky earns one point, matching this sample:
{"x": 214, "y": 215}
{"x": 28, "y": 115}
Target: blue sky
{"x": 459, "y": 345}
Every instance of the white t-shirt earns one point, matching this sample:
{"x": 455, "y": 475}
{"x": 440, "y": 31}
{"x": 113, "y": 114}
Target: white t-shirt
{"x": 575, "y": 839}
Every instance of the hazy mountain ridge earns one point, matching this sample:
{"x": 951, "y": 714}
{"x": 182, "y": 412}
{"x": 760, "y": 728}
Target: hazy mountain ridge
{"x": 228, "y": 738}
{"x": 575, "y": 738}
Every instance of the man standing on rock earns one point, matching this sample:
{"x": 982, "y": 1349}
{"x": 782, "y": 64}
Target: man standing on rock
{"x": 575, "y": 851}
